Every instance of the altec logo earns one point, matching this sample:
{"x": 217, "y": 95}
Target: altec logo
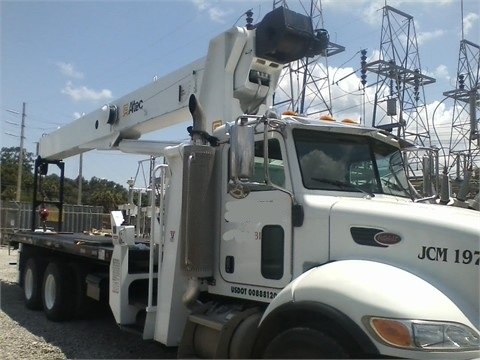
{"x": 132, "y": 107}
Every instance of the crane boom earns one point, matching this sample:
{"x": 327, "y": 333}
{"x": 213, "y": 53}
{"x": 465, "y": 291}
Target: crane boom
{"x": 238, "y": 76}
{"x": 157, "y": 105}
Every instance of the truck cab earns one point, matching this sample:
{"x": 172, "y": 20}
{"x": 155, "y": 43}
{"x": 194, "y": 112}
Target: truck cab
{"x": 316, "y": 224}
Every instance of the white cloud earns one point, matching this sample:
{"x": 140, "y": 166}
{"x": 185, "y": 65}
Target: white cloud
{"x": 215, "y": 13}
{"x": 441, "y": 72}
{"x": 469, "y": 22}
{"x": 375, "y": 56}
{"x": 69, "y": 70}
{"x": 201, "y": 4}
{"x": 373, "y": 13}
{"x": 83, "y": 93}
{"x": 426, "y": 36}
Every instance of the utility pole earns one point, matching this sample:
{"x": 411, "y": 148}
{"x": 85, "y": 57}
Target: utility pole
{"x": 20, "y": 155}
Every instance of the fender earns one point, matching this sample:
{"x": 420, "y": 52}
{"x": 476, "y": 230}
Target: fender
{"x": 326, "y": 317}
{"x": 353, "y": 289}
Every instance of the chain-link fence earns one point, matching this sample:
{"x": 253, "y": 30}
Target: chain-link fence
{"x": 76, "y": 218}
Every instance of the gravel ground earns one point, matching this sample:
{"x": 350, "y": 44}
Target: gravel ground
{"x": 27, "y": 334}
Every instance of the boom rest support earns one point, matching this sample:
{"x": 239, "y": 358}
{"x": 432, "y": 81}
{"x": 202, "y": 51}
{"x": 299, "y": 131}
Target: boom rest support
{"x": 41, "y": 169}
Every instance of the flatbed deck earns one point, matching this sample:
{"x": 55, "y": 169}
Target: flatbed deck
{"x": 89, "y": 246}
{"x": 96, "y": 247}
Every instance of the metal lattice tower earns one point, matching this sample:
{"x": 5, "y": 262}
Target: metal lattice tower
{"x": 464, "y": 143}
{"x": 304, "y": 85}
{"x": 400, "y": 98}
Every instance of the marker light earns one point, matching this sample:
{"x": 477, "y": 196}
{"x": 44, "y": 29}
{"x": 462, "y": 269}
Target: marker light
{"x": 327, "y": 117}
{"x": 424, "y": 335}
{"x": 392, "y": 332}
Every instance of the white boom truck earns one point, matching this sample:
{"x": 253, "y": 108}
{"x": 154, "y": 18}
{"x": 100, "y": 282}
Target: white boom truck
{"x": 272, "y": 236}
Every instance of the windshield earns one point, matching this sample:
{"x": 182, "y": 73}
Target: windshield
{"x": 344, "y": 162}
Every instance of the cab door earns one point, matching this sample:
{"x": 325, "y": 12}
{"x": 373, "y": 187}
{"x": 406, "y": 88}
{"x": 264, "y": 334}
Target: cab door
{"x": 256, "y": 231}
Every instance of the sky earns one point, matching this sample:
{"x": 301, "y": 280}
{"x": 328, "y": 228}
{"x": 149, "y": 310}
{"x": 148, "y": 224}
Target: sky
{"x": 68, "y": 58}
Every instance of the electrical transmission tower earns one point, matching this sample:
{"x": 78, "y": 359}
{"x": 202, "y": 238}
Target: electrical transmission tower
{"x": 465, "y": 136}
{"x": 399, "y": 103}
{"x": 304, "y": 84}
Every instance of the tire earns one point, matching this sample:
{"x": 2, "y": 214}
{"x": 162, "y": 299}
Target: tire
{"x": 57, "y": 295}
{"x": 303, "y": 343}
{"x": 32, "y": 280}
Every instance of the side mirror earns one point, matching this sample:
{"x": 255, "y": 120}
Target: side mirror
{"x": 242, "y": 155}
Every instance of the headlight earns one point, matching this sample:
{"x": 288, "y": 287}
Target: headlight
{"x": 427, "y": 335}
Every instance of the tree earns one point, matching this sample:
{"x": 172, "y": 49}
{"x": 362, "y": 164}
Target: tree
{"x": 105, "y": 193}
{"x": 9, "y": 160}
{"x": 100, "y": 192}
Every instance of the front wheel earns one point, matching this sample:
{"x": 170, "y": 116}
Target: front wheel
{"x": 304, "y": 343}
{"x": 57, "y": 295}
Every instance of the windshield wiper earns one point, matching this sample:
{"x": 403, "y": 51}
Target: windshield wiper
{"x": 341, "y": 184}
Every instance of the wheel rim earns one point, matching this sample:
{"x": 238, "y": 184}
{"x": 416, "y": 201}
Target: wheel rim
{"x": 28, "y": 283}
{"x": 50, "y": 291}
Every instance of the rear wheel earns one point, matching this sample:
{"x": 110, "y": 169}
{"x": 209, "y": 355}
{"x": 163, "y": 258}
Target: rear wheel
{"x": 32, "y": 279}
{"x": 304, "y": 343}
{"x": 57, "y": 295}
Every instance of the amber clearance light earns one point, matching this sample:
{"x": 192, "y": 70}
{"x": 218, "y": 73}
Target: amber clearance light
{"x": 392, "y": 332}
{"x": 327, "y": 117}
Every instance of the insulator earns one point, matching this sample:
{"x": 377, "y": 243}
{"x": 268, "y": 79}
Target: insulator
{"x": 461, "y": 81}
{"x": 416, "y": 78}
{"x": 363, "y": 65}
{"x": 364, "y": 79}
{"x": 249, "y": 19}
{"x": 364, "y": 55}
